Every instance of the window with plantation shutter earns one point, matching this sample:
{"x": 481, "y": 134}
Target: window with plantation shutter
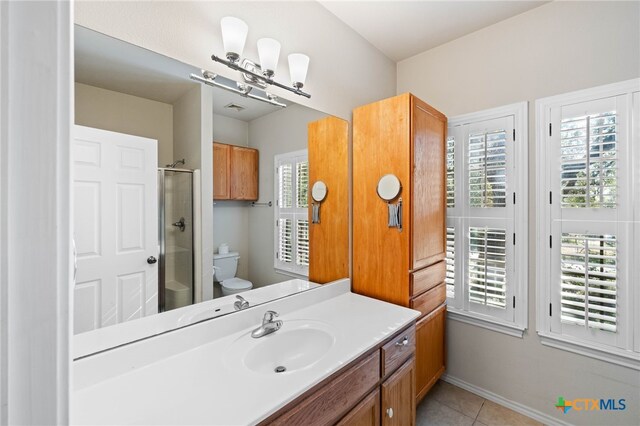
{"x": 291, "y": 224}
{"x": 588, "y": 285}
{"x": 486, "y": 261}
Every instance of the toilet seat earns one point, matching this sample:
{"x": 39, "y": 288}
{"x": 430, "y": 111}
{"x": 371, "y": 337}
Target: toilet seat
{"x": 237, "y": 284}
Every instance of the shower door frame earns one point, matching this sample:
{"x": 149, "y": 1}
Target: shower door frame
{"x": 162, "y": 240}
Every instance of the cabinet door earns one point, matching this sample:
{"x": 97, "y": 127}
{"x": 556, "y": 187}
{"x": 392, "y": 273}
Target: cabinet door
{"x": 221, "y": 160}
{"x": 381, "y": 146}
{"x": 244, "y": 173}
{"x": 398, "y": 402}
{"x": 367, "y": 413}
{"x": 429, "y": 184}
{"x": 430, "y": 350}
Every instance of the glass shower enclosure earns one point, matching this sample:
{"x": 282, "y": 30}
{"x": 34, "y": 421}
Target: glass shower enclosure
{"x": 176, "y": 237}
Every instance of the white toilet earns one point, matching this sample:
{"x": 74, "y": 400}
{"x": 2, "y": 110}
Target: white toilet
{"x": 224, "y": 272}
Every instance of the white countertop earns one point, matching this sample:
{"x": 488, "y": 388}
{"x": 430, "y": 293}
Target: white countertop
{"x": 183, "y": 377}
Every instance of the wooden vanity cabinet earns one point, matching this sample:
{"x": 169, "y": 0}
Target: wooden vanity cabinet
{"x": 405, "y": 137}
{"x": 235, "y": 172}
{"x": 376, "y": 389}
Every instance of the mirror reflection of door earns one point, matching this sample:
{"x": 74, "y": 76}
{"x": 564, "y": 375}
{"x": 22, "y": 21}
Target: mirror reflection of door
{"x": 115, "y": 228}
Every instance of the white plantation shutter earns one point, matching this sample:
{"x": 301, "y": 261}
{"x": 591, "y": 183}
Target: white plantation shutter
{"x": 292, "y": 225}
{"x": 589, "y": 280}
{"x": 487, "y": 266}
{"x": 591, "y": 221}
{"x": 588, "y": 267}
{"x": 588, "y": 160}
{"x": 451, "y": 176}
{"x": 450, "y": 262}
{"x": 285, "y": 240}
{"x": 489, "y": 230}
{"x": 302, "y": 183}
{"x": 302, "y": 237}
{"x": 485, "y": 170}
{"x": 285, "y": 185}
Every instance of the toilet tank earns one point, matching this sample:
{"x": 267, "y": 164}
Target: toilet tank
{"x": 225, "y": 266}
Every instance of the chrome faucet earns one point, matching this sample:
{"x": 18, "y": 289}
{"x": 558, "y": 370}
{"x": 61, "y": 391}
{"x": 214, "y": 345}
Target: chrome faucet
{"x": 268, "y": 325}
{"x": 241, "y": 303}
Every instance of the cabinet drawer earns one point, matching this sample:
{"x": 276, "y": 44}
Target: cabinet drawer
{"x": 427, "y": 278}
{"x": 329, "y": 403}
{"x": 398, "y": 350}
{"x": 430, "y": 300}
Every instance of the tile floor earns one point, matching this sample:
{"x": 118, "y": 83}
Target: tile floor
{"x": 447, "y": 404}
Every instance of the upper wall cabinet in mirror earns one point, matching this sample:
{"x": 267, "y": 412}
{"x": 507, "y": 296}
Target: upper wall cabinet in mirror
{"x": 187, "y": 195}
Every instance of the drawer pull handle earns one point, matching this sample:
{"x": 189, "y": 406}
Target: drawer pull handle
{"x": 390, "y": 412}
{"x": 403, "y": 342}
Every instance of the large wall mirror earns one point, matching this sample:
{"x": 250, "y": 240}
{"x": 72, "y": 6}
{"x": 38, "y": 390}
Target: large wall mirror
{"x": 187, "y": 196}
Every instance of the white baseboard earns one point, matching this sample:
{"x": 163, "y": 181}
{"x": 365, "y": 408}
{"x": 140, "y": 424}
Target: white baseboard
{"x": 498, "y": 399}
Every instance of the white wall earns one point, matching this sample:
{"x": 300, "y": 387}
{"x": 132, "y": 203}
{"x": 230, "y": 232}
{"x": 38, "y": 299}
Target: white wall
{"x": 345, "y": 70}
{"x": 231, "y": 218}
{"x": 192, "y": 133}
{"x": 36, "y": 112}
{"x": 555, "y": 48}
{"x": 276, "y": 133}
{"x": 123, "y": 113}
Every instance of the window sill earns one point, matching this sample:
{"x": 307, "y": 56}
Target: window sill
{"x": 592, "y": 350}
{"x": 490, "y": 324}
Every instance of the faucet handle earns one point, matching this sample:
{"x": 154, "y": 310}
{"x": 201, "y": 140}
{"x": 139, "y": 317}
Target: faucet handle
{"x": 269, "y": 316}
{"x": 241, "y": 303}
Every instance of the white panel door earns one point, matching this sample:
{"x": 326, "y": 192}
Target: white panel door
{"x": 115, "y": 227}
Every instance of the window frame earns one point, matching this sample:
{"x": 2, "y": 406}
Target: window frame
{"x": 460, "y": 214}
{"x": 544, "y": 286}
{"x": 294, "y": 213}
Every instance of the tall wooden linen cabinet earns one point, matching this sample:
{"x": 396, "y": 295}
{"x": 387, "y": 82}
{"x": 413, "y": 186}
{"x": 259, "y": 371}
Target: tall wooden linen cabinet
{"x": 405, "y": 137}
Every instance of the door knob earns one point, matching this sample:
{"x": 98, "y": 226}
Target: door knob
{"x": 390, "y": 412}
{"x": 151, "y": 260}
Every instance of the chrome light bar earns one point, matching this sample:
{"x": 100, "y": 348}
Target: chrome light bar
{"x": 209, "y": 77}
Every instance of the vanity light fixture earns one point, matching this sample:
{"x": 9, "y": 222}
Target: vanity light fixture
{"x": 234, "y": 36}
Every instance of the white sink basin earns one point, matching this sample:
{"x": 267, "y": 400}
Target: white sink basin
{"x": 297, "y": 345}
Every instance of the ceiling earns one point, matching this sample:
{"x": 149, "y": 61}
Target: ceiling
{"x": 401, "y": 29}
{"x": 113, "y": 64}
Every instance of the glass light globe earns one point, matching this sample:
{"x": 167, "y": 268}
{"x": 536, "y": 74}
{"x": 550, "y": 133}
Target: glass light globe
{"x": 234, "y": 35}
{"x": 298, "y": 66}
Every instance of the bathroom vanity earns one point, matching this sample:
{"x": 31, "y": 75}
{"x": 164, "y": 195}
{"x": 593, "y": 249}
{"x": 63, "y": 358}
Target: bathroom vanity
{"x": 338, "y": 358}
{"x": 377, "y": 388}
